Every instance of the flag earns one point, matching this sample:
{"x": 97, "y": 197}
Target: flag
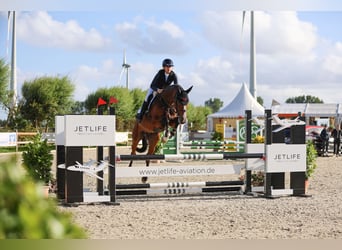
{"x": 100, "y": 102}
{"x": 113, "y": 100}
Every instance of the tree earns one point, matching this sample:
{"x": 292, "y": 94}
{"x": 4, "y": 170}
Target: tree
{"x": 6, "y": 97}
{"x": 5, "y": 93}
{"x": 15, "y": 119}
{"x": 3, "y": 81}
{"x": 197, "y": 116}
{"x": 124, "y": 109}
{"x": 138, "y": 98}
{"x": 78, "y": 108}
{"x": 44, "y": 98}
{"x": 304, "y": 99}
{"x": 260, "y": 100}
{"x": 215, "y": 104}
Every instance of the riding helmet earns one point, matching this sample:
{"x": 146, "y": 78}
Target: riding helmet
{"x": 167, "y": 62}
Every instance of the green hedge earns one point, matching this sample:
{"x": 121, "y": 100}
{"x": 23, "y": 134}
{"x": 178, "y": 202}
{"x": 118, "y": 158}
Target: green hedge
{"x": 24, "y": 211}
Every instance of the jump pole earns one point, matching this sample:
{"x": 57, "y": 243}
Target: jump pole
{"x": 179, "y": 184}
{"x": 178, "y": 190}
{"x": 200, "y": 157}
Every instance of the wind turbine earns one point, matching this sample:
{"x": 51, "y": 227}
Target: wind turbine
{"x": 125, "y": 67}
{"x": 13, "y": 78}
{"x": 252, "y": 69}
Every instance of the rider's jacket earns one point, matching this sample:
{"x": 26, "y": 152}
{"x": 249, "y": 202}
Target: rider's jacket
{"x": 160, "y": 81}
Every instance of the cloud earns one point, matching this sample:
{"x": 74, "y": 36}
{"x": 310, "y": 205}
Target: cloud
{"x": 88, "y": 79}
{"x": 213, "y": 55}
{"x": 150, "y": 36}
{"x": 275, "y": 32}
{"x": 332, "y": 63}
{"x": 141, "y": 75}
{"x": 212, "y": 77}
{"x": 291, "y": 57}
{"x": 40, "y": 29}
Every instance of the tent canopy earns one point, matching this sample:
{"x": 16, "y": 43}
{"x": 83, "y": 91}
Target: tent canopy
{"x": 242, "y": 102}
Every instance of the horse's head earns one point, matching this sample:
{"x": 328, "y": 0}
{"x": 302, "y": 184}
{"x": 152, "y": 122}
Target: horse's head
{"x": 182, "y": 100}
{"x": 175, "y": 100}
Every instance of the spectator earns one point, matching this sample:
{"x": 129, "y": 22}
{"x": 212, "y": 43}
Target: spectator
{"x": 336, "y": 133}
{"x": 325, "y": 140}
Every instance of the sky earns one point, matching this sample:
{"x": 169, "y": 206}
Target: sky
{"x": 298, "y": 52}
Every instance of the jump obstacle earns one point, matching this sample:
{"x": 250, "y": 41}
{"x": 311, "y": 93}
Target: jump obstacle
{"x": 274, "y": 179}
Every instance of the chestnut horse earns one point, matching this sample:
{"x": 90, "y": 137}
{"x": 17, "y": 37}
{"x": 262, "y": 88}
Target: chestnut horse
{"x": 167, "y": 109}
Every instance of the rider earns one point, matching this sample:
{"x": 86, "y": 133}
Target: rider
{"x": 165, "y": 77}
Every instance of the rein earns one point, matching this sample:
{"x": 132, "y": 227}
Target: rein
{"x": 168, "y": 106}
{"x": 171, "y": 112}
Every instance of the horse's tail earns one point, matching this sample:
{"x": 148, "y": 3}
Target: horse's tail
{"x": 143, "y": 147}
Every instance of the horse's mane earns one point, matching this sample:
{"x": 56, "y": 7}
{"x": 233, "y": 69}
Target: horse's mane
{"x": 174, "y": 86}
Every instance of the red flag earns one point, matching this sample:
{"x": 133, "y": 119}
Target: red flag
{"x": 113, "y": 100}
{"x": 100, "y": 102}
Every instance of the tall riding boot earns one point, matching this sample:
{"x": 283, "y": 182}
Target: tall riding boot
{"x": 142, "y": 111}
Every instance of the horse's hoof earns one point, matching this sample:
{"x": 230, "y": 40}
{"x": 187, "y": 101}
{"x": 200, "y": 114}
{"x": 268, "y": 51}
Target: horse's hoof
{"x": 144, "y": 179}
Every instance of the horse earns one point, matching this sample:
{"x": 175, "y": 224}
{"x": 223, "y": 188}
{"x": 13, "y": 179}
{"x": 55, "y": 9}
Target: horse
{"x": 166, "y": 110}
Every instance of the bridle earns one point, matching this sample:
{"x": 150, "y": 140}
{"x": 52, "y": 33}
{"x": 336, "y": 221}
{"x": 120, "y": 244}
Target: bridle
{"x": 171, "y": 109}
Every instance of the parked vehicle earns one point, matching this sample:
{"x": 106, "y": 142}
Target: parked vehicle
{"x": 313, "y": 133}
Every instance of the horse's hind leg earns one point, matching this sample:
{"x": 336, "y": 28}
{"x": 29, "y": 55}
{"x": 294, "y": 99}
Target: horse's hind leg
{"x": 152, "y": 140}
{"x": 133, "y": 150}
{"x": 136, "y": 137}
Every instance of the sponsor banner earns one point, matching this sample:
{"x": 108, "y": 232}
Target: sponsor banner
{"x": 8, "y": 139}
{"x": 178, "y": 170}
{"x": 285, "y": 158}
{"x": 89, "y": 130}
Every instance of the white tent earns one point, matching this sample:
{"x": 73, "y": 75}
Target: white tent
{"x": 237, "y": 108}
{"x": 243, "y": 101}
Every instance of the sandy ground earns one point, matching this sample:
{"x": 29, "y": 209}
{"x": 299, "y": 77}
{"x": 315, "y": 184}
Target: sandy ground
{"x": 221, "y": 216}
